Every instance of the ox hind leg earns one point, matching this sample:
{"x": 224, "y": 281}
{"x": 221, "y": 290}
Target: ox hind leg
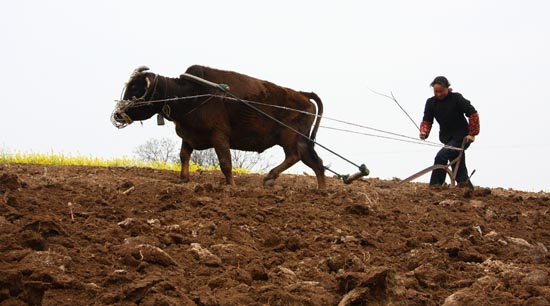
{"x": 312, "y": 160}
{"x": 185, "y": 156}
{"x": 291, "y": 157}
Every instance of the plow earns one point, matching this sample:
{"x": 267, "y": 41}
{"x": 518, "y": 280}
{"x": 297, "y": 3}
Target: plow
{"x": 451, "y": 168}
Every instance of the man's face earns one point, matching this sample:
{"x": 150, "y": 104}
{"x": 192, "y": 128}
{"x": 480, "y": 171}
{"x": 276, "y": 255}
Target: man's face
{"x": 440, "y": 91}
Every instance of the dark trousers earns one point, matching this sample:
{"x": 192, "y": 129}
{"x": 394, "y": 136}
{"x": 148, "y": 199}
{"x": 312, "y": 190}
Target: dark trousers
{"x": 443, "y": 157}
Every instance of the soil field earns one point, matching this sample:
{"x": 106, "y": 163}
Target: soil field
{"x": 133, "y": 236}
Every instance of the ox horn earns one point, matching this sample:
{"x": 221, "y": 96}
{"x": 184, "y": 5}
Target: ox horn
{"x": 137, "y": 72}
{"x": 140, "y": 69}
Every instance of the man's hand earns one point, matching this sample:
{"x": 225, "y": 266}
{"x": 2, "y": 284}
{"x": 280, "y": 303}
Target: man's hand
{"x": 423, "y": 135}
{"x": 470, "y": 138}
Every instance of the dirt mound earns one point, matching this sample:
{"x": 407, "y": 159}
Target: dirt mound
{"x": 95, "y": 236}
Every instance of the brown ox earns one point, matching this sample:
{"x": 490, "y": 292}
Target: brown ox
{"x": 205, "y": 119}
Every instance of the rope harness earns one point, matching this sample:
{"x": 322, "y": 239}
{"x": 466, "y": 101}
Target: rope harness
{"x": 123, "y": 105}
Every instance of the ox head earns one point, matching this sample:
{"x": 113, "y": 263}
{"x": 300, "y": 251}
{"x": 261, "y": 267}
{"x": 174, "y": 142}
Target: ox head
{"x": 136, "y": 104}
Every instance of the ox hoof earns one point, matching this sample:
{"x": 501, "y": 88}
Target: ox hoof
{"x": 269, "y": 182}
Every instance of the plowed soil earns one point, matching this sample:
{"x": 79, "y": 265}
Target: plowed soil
{"x": 129, "y": 236}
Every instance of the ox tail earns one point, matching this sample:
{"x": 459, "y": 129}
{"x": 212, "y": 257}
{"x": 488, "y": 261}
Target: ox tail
{"x": 313, "y": 96}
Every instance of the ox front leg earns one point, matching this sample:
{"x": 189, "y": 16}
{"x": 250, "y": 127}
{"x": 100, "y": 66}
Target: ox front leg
{"x": 224, "y": 157}
{"x": 185, "y": 156}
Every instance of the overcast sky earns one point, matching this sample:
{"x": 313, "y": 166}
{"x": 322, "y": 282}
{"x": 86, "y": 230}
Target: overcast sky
{"x": 65, "y": 62}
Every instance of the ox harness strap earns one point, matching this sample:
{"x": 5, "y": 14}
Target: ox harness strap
{"x": 196, "y": 79}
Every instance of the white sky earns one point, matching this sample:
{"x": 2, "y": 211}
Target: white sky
{"x": 65, "y": 62}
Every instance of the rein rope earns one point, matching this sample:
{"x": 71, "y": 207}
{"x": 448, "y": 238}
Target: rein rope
{"x": 125, "y": 104}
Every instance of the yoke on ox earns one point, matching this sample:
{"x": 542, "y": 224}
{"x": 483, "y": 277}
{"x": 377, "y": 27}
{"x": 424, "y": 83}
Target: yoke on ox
{"x": 205, "y": 118}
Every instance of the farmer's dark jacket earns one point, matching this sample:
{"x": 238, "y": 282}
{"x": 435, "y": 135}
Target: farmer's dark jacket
{"x": 450, "y": 114}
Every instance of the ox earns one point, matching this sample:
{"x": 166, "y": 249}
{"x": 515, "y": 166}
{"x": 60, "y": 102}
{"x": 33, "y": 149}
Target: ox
{"x": 208, "y": 119}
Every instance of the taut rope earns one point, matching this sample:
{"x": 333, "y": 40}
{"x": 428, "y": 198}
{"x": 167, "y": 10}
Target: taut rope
{"x": 130, "y": 104}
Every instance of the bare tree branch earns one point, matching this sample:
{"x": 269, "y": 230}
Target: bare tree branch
{"x": 206, "y": 158}
{"x": 239, "y": 159}
{"x": 161, "y": 150}
{"x": 166, "y": 150}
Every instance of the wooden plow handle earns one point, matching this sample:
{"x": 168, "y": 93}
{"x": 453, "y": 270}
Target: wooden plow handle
{"x": 447, "y": 168}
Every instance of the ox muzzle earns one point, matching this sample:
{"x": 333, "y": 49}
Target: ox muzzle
{"x": 119, "y": 118}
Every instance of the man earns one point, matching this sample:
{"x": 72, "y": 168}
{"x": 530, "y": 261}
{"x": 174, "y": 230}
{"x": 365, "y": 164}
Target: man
{"x": 450, "y": 109}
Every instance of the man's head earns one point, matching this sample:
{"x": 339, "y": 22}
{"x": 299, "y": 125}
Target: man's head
{"x": 441, "y": 87}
